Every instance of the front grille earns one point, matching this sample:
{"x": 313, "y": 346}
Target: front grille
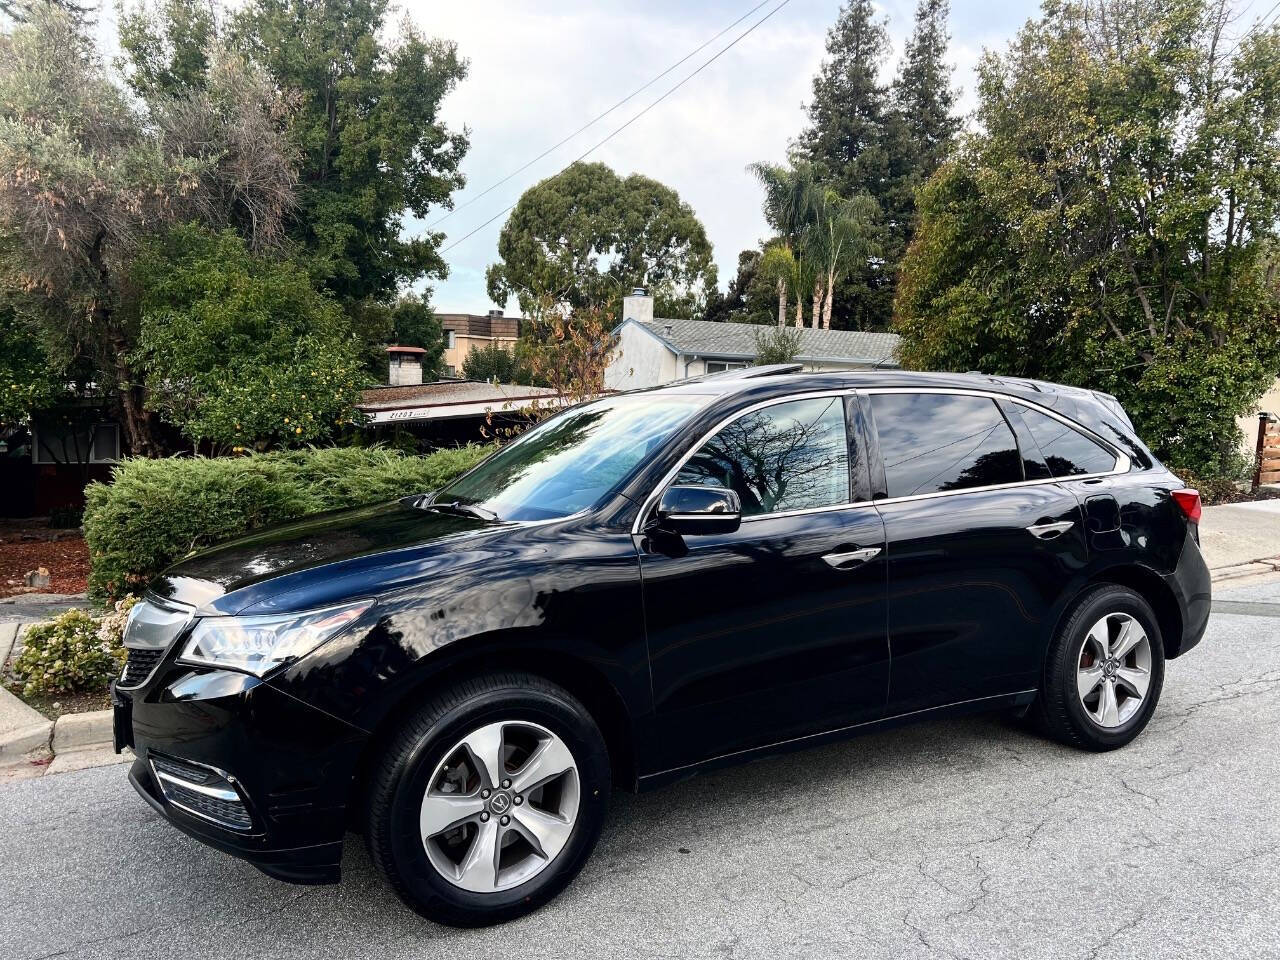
{"x": 139, "y": 666}
{"x": 202, "y": 791}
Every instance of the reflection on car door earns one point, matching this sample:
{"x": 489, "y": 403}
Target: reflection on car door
{"x": 974, "y": 573}
{"x": 778, "y": 629}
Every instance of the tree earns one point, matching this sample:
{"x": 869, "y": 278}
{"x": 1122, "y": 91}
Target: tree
{"x": 850, "y": 110}
{"x": 367, "y": 124}
{"x": 1114, "y": 225}
{"x": 20, "y": 11}
{"x": 408, "y": 322}
{"x": 776, "y": 345}
{"x": 821, "y": 236}
{"x": 239, "y": 350}
{"x": 874, "y": 145}
{"x": 493, "y": 363}
{"x": 27, "y": 381}
{"x": 86, "y": 174}
{"x": 369, "y": 130}
{"x": 586, "y": 236}
{"x": 923, "y": 96}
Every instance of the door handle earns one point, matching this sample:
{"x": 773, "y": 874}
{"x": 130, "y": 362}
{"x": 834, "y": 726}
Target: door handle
{"x": 849, "y": 558}
{"x": 1048, "y": 531}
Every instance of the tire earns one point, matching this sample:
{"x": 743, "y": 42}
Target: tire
{"x": 1100, "y": 721}
{"x": 535, "y": 719}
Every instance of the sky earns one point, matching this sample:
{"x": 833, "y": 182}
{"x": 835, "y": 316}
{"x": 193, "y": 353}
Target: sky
{"x": 540, "y": 70}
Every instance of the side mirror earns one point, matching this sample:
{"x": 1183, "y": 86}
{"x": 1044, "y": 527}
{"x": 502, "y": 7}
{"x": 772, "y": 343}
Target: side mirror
{"x": 698, "y": 510}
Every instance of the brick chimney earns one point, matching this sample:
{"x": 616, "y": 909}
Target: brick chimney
{"x": 404, "y": 366}
{"x": 637, "y": 305}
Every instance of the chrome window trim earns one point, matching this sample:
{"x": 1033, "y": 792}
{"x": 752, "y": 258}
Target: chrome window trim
{"x": 1123, "y": 462}
{"x": 671, "y": 474}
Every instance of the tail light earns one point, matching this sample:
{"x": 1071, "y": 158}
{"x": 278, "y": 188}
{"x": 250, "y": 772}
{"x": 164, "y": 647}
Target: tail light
{"x": 1189, "y": 501}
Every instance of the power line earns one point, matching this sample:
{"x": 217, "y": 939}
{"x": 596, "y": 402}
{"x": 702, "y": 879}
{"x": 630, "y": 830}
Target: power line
{"x": 592, "y": 122}
{"x": 588, "y": 152}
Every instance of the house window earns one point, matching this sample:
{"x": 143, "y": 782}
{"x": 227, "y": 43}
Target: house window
{"x": 720, "y": 366}
{"x": 450, "y": 340}
{"x": 75, "y": 443}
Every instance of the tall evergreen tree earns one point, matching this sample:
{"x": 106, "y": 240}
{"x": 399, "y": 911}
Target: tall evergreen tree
{"x": 923, "y": 94}
{"x": 846, "y": 139}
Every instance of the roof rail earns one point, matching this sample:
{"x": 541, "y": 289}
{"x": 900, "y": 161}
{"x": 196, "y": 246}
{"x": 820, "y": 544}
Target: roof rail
{"x": 753, "y": 373}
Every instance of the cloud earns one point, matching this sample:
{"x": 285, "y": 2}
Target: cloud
{"x": 537, "y": 72}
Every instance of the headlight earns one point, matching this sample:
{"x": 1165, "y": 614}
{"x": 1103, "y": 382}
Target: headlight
{"x": 260, "y": 644}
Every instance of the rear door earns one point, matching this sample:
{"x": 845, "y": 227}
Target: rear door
{"x": 980, "y": 545}
{"x": 776, "y": 630}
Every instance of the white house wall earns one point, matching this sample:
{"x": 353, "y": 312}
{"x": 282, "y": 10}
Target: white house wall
{"x": 639, "y": 360}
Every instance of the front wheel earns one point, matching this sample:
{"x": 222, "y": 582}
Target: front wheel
{"x": 490, "y": 800}
{"x": 1104, "y": 672}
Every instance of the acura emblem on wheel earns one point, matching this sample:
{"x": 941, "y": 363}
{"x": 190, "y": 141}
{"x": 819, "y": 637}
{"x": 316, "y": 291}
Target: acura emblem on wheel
{"x": 500, "y": 803}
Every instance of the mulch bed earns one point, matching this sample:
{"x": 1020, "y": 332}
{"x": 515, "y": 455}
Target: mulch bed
{"x": 29, "y": 546}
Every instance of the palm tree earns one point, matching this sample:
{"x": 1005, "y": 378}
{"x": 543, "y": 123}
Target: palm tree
{"x": 820, "y": 234}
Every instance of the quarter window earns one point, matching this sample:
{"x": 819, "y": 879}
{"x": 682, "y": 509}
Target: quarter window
{"x": 1067, "y": 451}
{"x": 788, "y": 456}
{"x": 934, "y": 442}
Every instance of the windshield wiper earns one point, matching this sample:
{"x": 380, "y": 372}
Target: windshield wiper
{"x": 462, "y": 509}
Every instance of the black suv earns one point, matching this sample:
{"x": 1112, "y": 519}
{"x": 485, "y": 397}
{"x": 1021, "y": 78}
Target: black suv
{"x": 646, "y": 586}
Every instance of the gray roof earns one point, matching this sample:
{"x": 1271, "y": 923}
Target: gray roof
{"x": 707, "y": 338}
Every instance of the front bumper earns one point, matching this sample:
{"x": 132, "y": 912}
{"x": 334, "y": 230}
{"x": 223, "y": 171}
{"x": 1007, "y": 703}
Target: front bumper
{"x": 286, "y": 767}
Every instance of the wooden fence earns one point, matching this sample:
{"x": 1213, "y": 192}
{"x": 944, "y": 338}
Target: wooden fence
{"x": 1267, "y": 469}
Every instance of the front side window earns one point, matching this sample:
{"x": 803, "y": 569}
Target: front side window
{"x": 788, "y": 456}
{"x": 570, "y": 462}
{"x": 935, "y": 442}
{"x": 1067, "y": 451}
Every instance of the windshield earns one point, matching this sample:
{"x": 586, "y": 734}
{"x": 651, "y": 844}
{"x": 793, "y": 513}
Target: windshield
{"x": 568, "y": 463}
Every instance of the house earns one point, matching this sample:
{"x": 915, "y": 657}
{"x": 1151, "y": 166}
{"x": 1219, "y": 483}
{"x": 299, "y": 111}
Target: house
{"x": 465, "y": 332}
{"x": 447, "y": 412}
{"x": 654, "y": 351}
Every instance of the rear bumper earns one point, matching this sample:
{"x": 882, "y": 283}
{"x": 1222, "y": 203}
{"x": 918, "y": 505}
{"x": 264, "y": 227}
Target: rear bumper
{"x": 1192, "y": 584}
{"x": 287, "y": 766}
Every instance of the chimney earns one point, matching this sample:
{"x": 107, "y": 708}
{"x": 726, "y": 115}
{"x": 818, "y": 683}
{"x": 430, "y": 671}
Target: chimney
{"x": 638, "y": 305}
{"x": 404, "y": 366}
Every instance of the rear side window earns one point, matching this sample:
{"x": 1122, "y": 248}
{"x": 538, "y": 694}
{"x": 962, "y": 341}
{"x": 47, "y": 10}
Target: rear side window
{"x": 934, "y": 442}
{"x": 1067, "y": 451}
{"x": 789, "y": 456}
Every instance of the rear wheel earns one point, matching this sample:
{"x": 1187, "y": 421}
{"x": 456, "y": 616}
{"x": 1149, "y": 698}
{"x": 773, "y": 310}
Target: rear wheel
{"x": 490, "y": 800}
{"x": 1105, "y": 671}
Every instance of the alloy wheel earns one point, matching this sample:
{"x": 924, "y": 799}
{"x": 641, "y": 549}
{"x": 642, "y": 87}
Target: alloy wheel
{"x": 500, "y": 806}
{"x": 1114, "y": 671}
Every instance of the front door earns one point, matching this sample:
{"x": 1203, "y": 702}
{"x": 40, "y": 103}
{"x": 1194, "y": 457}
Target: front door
{"x": 978, "y": 557}
{"x": 777, "y": 630}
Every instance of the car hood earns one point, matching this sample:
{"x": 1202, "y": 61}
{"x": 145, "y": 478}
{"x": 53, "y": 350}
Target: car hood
{"x": 244, "y": 575}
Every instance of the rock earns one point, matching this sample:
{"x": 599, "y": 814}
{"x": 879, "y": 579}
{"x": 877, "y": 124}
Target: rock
{"x": 37, "y": 578}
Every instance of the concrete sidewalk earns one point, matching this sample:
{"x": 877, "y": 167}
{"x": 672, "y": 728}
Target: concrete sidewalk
{"x": 1237, "y": 539}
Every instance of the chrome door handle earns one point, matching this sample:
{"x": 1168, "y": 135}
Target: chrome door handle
{"x": 842, "y": 561}
{"x": 1047, "y": 531}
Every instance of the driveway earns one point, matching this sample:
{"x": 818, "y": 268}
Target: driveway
{"x": 960, "y": 839}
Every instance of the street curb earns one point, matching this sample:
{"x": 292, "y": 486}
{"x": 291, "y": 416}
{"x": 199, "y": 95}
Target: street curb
{"x": 16, "y": 744}
{"x": 1248, "y": 568}
{"x": 82, "y": 731}
{"x": 8, "y": 637}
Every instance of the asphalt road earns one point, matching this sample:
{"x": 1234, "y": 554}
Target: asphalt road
{"x": 963, "y": 839}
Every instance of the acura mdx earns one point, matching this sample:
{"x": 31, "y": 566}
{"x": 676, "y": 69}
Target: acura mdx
{"x": 647, "y": 586}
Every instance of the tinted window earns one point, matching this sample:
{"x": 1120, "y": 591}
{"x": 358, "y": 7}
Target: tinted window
{"x": 932, "y": 442}
{"x": 1066, "y": 451}
{"x": 790, "y": 456}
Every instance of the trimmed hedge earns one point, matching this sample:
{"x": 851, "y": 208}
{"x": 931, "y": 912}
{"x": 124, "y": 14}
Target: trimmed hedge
{"x": 155, "y": 512}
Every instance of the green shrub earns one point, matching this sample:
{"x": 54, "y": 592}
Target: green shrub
{"x": 67, "y": 654}
{"x": 154, "y": 512}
